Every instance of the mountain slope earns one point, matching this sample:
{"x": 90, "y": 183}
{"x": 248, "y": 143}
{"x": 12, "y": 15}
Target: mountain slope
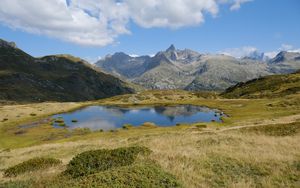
{"x": 123, "y": 65}
{"x": 52, "y": 78}
{"x": 190, "y": 70}
{"x": 265, "y": 87}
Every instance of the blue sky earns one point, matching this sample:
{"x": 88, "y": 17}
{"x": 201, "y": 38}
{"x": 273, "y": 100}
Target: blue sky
{"x": 264, "y": 25}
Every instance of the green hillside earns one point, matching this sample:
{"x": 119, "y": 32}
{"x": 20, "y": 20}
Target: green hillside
{"x": 266, "y": 87}
{"x": 24, "y": 78}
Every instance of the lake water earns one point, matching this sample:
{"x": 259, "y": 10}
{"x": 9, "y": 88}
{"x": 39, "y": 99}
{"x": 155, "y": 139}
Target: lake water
{"x": 113, "y": 117}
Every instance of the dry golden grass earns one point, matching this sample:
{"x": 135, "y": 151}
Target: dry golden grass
{"x": 214, "y": 155}
{"x": 195, "y": 158}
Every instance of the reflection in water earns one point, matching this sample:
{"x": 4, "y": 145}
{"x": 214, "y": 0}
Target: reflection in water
{"x": 112, "y": 117}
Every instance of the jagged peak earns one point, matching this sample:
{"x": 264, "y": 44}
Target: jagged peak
{"x": 171, "y": 48}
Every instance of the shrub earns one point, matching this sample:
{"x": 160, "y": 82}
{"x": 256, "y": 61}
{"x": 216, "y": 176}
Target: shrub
{"x": 31, "y": 165}
{"x": 127, "y": 126}
{"x": 131, "y": 176}
{"x": 201, "y": 126}
{"x": 94, "y": 161}
{"x": 59, "y": 121}
{"x": 61, "y": 124}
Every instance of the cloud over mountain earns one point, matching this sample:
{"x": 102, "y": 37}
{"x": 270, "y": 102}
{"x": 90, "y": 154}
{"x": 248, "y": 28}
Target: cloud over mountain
{"x": 100, "y": 22}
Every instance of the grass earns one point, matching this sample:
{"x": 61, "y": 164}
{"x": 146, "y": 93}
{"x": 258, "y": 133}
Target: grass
{"x": 266, "y": 87}
{"x": 146, "y": 175}
{"x": 194, "y": 157}
{"x": 93, "y": 161}
{"x": 239, "y": 111}
{"x": 257, "y": 145}
{"x": 31, "y": 165}
{"x": 275, "y": 130}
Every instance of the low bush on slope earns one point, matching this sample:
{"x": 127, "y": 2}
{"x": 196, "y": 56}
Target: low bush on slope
{"x": 31, "y": 165}
{"x": 106, "y": 168}
{"x": 94, "y": 161}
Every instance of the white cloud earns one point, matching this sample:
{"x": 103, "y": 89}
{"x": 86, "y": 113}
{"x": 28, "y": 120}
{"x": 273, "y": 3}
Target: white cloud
{"x": 92, "y": 60}
{"x": 237, "y": 4}
{"x": 170, "y": 13}
{"x": 286, "y": 47}
{"x": 283, "y": 47}
{"x": 239, "y": 52}
{"x": 100, "y": 22}
{"x": 271, "y": 54}
{"x": 134, "y": 55}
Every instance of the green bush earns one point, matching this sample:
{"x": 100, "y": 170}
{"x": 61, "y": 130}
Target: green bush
{"x": 31, "y": 165}
{"x": 59, "y": 121}
{"x": 61, "y": 124}
{"x": 94, "y": 161}
{"x": 201, "y": 126}
{"x": 133, "y": 176}
{"x": 127, "y": 126}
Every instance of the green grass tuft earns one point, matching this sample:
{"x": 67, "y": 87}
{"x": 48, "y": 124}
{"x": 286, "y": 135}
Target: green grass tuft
{"x": 31, "y": 165}
{"x": 138, "y": 175}
{"x": 94, "y": 161}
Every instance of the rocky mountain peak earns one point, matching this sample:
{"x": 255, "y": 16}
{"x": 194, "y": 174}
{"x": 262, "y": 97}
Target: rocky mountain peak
{"x": 286, "y": 56}
{"x": 171, "y": 48}
{"x": 4, "y": 43}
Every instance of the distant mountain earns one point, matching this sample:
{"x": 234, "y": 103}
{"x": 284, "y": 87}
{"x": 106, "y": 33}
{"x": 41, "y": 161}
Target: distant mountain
{"x": 266, "y": 87}
{"x": 255, "y": 55}
{"x": 190, "y": 70}
{"x": 284, "y": 62}
{"x": 52, "y": 78}
{"x": 124, "y": 65}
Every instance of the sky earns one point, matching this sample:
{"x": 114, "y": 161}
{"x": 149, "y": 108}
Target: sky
{"x": 91, "y": 29}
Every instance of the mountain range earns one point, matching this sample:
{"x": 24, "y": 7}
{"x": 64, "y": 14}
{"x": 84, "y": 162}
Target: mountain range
{"x": 191, "y": 70}
{"x": 24, "y": 78}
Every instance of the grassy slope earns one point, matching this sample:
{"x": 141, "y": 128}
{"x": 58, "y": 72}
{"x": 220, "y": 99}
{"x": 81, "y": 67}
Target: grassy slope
{"x": 199, "y": 157}
{"x": 53, "y": 78}
{"x": 266, "y": 87}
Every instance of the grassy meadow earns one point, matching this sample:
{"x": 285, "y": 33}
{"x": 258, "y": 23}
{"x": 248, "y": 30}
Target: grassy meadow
{"x": 256, "y": 145}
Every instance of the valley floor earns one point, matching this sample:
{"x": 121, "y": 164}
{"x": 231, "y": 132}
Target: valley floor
{"x": 257, "y": 145}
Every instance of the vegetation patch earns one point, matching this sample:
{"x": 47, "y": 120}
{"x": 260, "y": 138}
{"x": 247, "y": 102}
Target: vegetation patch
{"x": 149, "y": 125}
{"x": 217, "y": 140}
{"x": 127, "y": 126}
{"x": 94, "y": 161}
{"x": 131, "y": 176}
{"x": 31, "y": 165}
{"x": 59, "y": 120}
{"x": 266, "y": 87}
{"x": 275, "y": 130}
{"x": 138, "y": 175}
{"x": 225, "y": 169}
